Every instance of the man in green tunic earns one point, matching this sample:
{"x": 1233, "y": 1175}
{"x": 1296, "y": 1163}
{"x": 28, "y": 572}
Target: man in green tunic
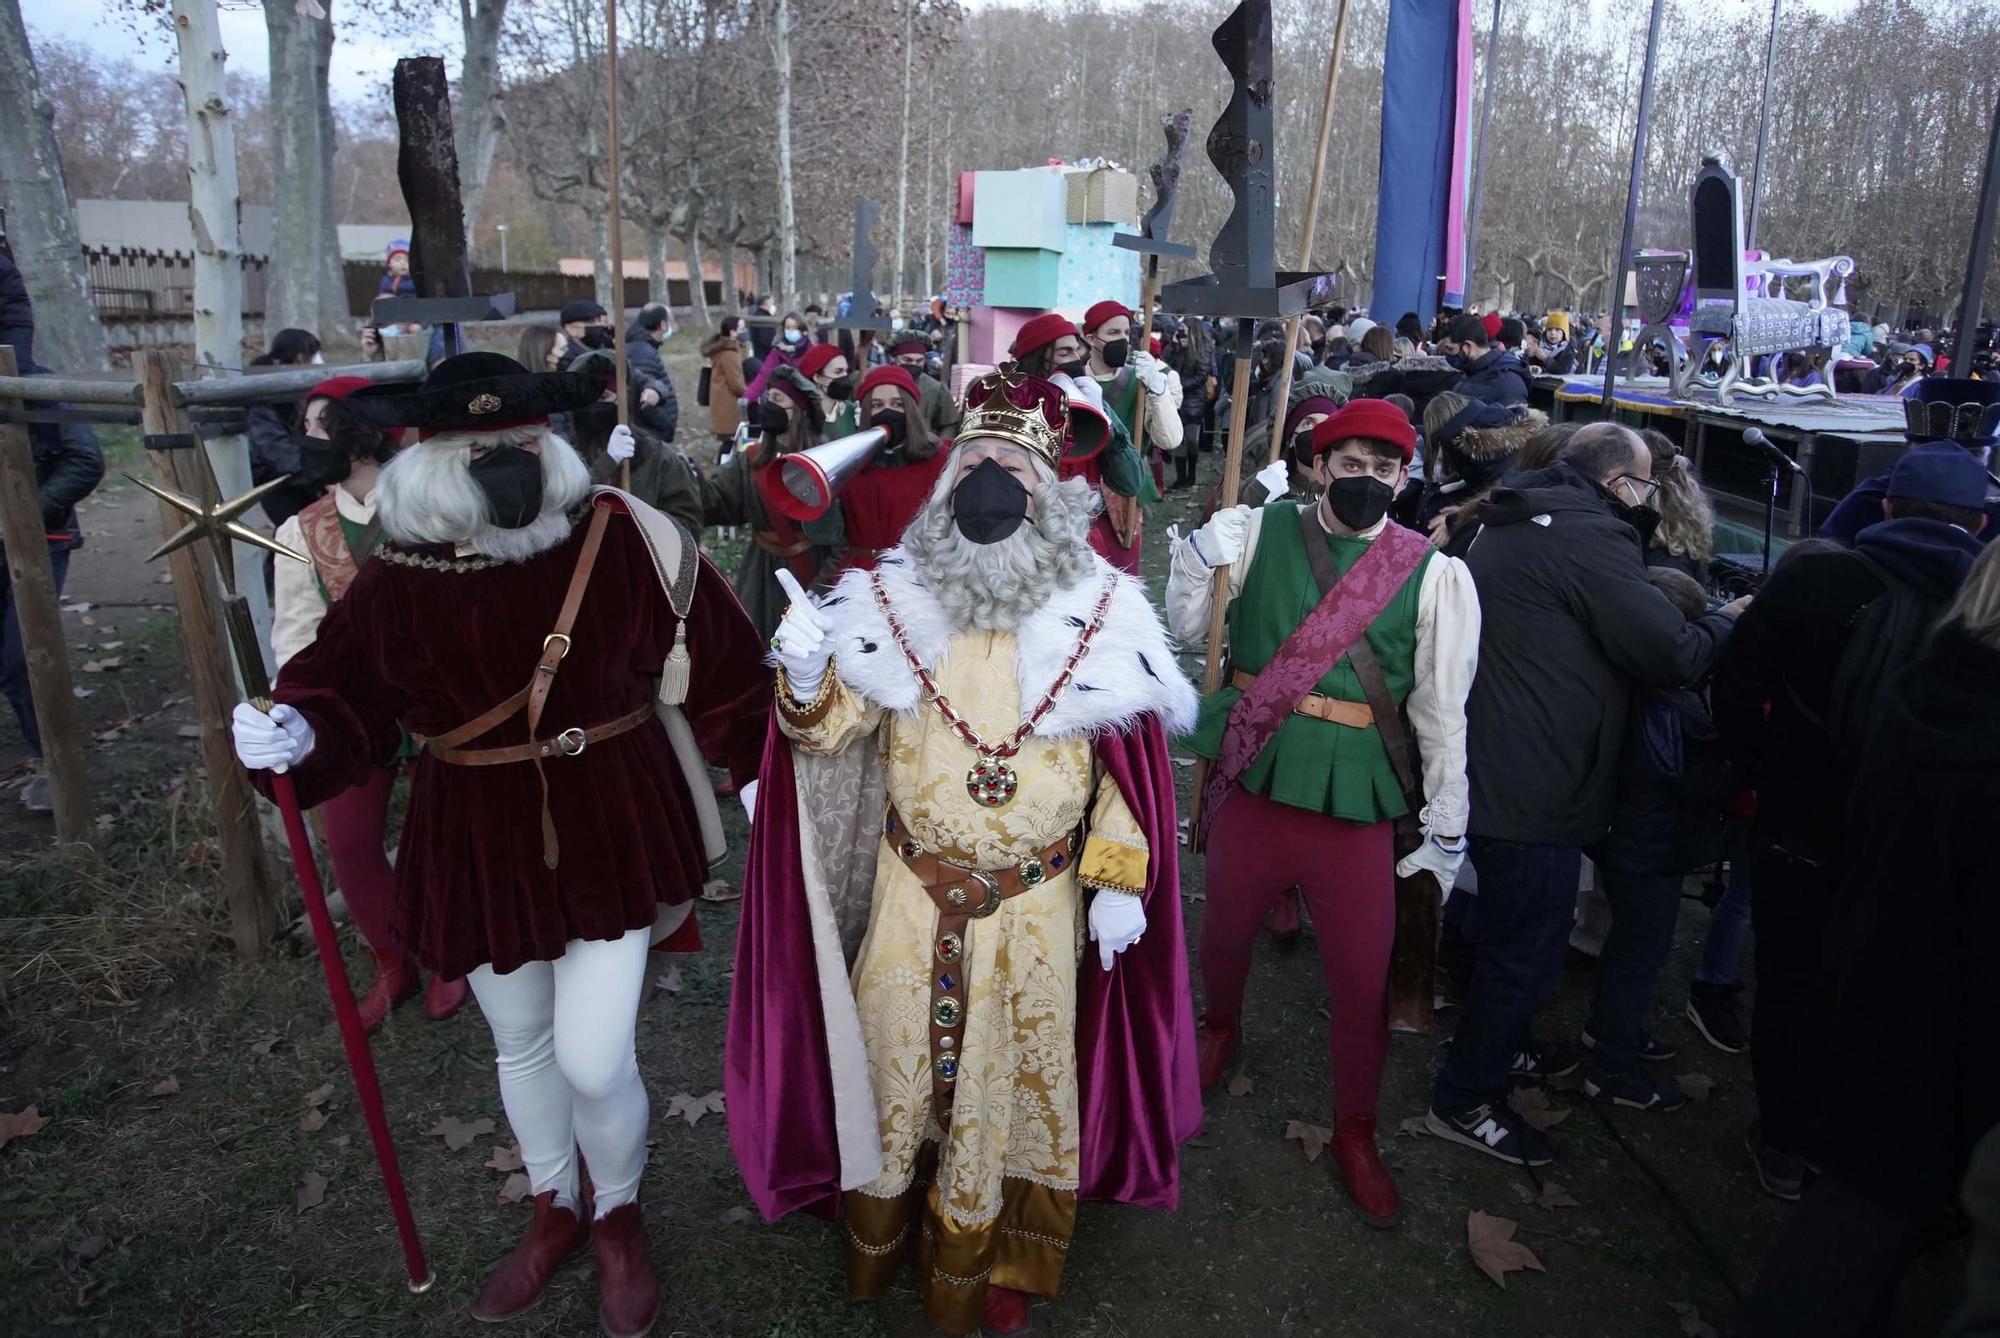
{"x": 1340, "y": 623}
{"x": 910, "y": 353}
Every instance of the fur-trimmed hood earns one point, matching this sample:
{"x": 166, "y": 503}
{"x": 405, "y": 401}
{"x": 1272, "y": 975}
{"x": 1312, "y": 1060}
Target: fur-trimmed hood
{"x": 1130, "y": 670}
{"x": 1492, "y": 443}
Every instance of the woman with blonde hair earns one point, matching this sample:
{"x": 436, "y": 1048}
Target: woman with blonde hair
{"x": 1685, "y": 537}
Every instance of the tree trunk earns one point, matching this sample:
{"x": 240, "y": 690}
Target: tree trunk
{"x": 334, "y": 317}
{"x": 213, "y": 213}
{"x": 609, "y": 295}
{"x": 657, "y": 287}
{"x": 68, "y": 335}
{"x": 930, "y": 185}
{"x": 788, "y": 221}
{"x": 896, "y": 292}
{"x": 697, "y": 284}
{"x": 482, "y": 113}
{"x": 301, "y": 167}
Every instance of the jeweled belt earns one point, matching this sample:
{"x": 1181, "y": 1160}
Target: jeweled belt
{"x": 963, "y": 895}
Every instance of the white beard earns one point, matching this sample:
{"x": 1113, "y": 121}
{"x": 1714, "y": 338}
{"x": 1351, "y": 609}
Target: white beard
{"x": 993, "y": 587}
{"x": 426, "y": 495}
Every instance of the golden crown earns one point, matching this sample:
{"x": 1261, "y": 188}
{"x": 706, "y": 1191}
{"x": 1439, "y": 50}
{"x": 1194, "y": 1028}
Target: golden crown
{"x": 1000, "y": 418}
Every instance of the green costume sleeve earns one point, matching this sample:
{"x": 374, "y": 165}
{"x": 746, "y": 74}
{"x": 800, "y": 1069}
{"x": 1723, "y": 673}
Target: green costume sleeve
{"x": 1122, "y": 469}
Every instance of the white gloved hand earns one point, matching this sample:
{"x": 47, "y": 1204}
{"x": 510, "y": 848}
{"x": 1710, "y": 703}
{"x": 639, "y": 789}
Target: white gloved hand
{"x": 801, "y": 642}
{"x": 1220, "y": 542}
{"x": 1117, "y": 921}
{"x": 747, "y": 796}
{"x": 1083, "y": 388}
{"x": 621, "y": 446}
{"x": 1276, "y": 479}
{"x": 1152, "y": 373}
{"x": 1439, "y": 858}
{"x": 274, "y": 742}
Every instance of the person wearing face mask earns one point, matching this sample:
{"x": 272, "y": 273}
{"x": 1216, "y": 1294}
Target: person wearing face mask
{"x": 1472, "y": 445}
{"x": 790, "y": 344}
{"x": 569, "y": 663}
{"x": 991, "y": 705}
{"x": 1121, "y": 370}
{"x": 878, "y": 503}
{"x": 661, "y": 476}
{"x": 833, "y": 381}
{"x": 273, "y": 429}
{"x": 938, "y": 410}
{"x": 1347, "y": 634}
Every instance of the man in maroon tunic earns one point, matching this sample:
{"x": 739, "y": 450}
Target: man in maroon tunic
{"x": 567, "y": 659}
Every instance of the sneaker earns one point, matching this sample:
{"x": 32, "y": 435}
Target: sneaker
{"x": 1652, "y": 1049}
{"x": 1713, "y": 1010}
{"x": 1497, "y": 1132}
{"x": 1545, "y": 1061}
{"x": 1632, "y": 1089}
{"x": 35, "y": 796}
{"x": 1782, "y": 1175}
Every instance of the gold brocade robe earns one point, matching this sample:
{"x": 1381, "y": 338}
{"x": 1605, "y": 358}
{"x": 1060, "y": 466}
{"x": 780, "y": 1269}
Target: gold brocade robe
{"x": 993, "y": 1198}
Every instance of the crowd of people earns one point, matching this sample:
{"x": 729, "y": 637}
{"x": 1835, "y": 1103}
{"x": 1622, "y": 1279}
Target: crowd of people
{"x": 1476, "y": 677}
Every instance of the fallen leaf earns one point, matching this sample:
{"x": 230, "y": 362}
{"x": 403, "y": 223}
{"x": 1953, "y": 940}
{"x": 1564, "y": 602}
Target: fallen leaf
{"x": 311, "y": 1192}
{"x": 516, "y": 1188}
{"x": 739, "y": 1217}
{"x": 341, "y": 1143}
{"x": 720, "y": 889}
{"x": 505, "y": 1159}
{"x": 313, "y": 1120}
{"x": 262, "y": 1045}
{"x": 20, "y": 1124}
{"x": 691, "y": 1108}
{"x": 318, "y": 1095}
{"x": 81, "y": 693}
{"x": 82, "y": 606}
{"x": 670, "y": 980}
{"x": 1494, "y": 1249}
{"x": 89, "y": 1247}
{"x": 458, "y": 1134}
{"x": 109, "y": 645}
{"x": 166, "y": 578}
{"x": 1532, "y": 1105}
{"x": 1311, "y": 1137}
{"x": 188, "y": 732}
{"x": 1241, "y": 1085}
{"x": 1413, "y": 1127}
{"x": 1692, "y": 1324}
{"x": 1555, "y": 1196}
{"x": 101, "y": 666}
{"x": 1696, "y": 1085}
{"x": 167, "y": 1086}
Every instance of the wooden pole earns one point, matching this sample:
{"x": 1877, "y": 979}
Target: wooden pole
{"x": 32, "y": 586}
{"x": 1149, "y": 298}
{"x": 615, "y": 234}
{"x": 1218, "y": 596}
{"x": 246, "y": 878}
{"x": 1310, "y": 225}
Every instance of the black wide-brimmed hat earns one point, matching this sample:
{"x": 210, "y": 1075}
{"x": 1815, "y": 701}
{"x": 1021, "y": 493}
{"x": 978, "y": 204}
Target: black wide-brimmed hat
{"x": 476, "y": 392}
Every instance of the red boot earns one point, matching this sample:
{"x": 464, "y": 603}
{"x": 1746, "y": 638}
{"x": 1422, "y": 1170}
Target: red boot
{"x": 1286, "y": 921}
{"x": 554, "y": 1235}
{"x": 1368, "y": 1180}
{"x": 1221, "y": 1036}
{"x": 1006, "y": 1313}
{"x": 628, "y": 1293}
{"x": 395, "y": 980}
{"x": 443, "y": 997}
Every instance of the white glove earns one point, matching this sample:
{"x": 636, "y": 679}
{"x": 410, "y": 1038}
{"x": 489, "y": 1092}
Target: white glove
{"x": 747, "y": 796}
{"x": 1276, "y": 479}
{"x": 1152, "y": 373}
{"x": 801, "y": 642}
{"x": 274, "y": 742}
{"x": 621, "y": 446}
{"x": 1439, "y": 860}
{"x": 1117, "y": 921}
{"x": 1220, "y": 542}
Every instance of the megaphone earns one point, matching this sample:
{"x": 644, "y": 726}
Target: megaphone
{"x": 812, "y": 479}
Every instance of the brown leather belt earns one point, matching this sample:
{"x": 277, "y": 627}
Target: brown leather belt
{"x": 568, "y": 743}
{"x": 769, "y": 541}
{"x": 963, "y": 895}
{"x": 1355, "y": 715}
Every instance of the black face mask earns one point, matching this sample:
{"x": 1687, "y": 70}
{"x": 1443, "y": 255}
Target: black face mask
{"x": 989, "y": 503}
{"x": 598, "y": 338}
{"x": 1641, "y": 518}
{"x": 1359, "y": 500}
{"x": 321, "y": 463}
{"x": 775, "y": 419}
{"x": 1074, "y": 368}
{"x": 1302, "y": 447}
{"x": 1115, "y": 352}
{"x": 841, "y": 389}
{"x": 892, "y": 422}
{"x": 511, "y": 478}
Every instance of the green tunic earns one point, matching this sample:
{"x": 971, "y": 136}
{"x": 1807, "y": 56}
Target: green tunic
{"x": 1126, "y": 473}
{"x": 1314, "y": 764}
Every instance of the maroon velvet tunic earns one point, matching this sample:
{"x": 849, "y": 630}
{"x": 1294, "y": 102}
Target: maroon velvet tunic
{"x": 430, "y": 650}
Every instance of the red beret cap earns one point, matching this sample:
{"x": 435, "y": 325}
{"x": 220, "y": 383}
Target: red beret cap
{"x": 1377, "y": 420}
{"x": 814, "y": 360}
{"x": 888, "y": 376}
{"x": 1100, "y": 312}
{"x": 1491, "y": 320}
{"x": 1040, "y": 332}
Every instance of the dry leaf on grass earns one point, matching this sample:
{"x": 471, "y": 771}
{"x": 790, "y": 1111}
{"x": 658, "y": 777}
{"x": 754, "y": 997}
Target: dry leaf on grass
{"x": 20, "y": 1124}
{"x": 739, "y": 1217}
{"x": 1555, "y": 1196}
{"x": 313, "y": 1120}
{"x": 318, "y": 1095}
{"x": 101, "y": 666}
{"x": 1312, "y": 1137}
{"x": 1532, "y": 1105}
{"x": 505, "y": 1159}
{"x": 1692, "y": 1324}
{"x": 670, "y": 980}
{"x": 188, "y": 732}
{"x": 90, "y": 1246}
{"x": 458, "y": 1134}
{"x": 1494, "y": 1249}
{"x": 692, "y": 1108}
{"x": 1413, "y": 1127}
{"x": 516, "y": 1188}
{"x": 262, "y": 1045}
{"x": 167, "y": 1086}
{"x": 1697, "y": 1086}
{"x": 720, "y": 889}
{"x": 1241, "y": 1085}
{"x": 311, "y": 1191}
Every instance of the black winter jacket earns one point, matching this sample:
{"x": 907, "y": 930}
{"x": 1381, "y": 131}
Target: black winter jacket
{"x": 1498, "y": 375}
{"x": 17, "y": 314}
{"x": 68, "y": 465}
{"x": 642, "y": 361}
{"x": 1673, "y": 782}
{"x": 274, "y": 454}
{"x": 1569, "y": 624}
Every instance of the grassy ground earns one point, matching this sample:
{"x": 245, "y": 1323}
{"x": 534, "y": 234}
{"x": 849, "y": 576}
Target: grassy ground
{"x": 162, "y": 1196}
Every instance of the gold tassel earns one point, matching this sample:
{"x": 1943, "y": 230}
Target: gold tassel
{"x": 674, "y": 676}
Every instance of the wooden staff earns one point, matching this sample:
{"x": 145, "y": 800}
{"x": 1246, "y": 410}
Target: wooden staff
{"x": 1306, "y": 240}
{"x": 1149, "y": 299}
{"x": 616, "y": 233}
{"x": 1218, "y": 596}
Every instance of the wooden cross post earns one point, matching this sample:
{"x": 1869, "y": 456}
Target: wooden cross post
{"x": 616, "y": 234}
{"x": 31, "y": 584}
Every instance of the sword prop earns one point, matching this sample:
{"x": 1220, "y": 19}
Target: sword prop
{"x": 1152, "y": 241}
{"x": 216, "y": 520}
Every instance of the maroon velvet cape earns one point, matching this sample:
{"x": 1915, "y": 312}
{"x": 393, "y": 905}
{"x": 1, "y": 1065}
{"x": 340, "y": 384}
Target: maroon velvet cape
{"x": 1140, "y": 1098}
{"x": 430, "y": 650}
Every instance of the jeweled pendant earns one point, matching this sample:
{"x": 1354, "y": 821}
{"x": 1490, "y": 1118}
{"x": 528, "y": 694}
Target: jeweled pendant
{"x": 991, "y": 782}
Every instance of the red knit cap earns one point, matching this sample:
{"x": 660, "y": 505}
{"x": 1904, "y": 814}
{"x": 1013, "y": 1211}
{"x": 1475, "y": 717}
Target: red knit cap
{"x": 814, "y": 360}
{"x": 908, "y": 344}
{"x": 1491, "y": 320}
{"x": 1100, "y": 312}
{"x": 1377, "y": 420}
{"x": 338, "y": 387}
{"x": 1040, "y": 332}
{"x": 888, "y": 376}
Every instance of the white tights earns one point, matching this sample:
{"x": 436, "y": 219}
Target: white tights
{"x": 568, "y": 1073}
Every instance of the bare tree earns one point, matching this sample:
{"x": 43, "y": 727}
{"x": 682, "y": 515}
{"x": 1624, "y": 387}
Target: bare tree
{"x": 303, "y": 289}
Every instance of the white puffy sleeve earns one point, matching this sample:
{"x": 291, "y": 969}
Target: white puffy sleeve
{"x": 296, "y": 602}
{"x": 1191, "y": 583}
{"x": 1447, "y": 657}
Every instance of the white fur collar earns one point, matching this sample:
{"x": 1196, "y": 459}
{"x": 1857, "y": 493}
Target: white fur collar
{"x": 1128, "y": 672}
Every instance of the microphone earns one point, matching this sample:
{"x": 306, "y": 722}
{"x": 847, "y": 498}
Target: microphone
{"x": 1755, "y": 437}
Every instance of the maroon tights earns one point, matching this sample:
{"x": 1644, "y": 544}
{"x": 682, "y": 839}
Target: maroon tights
{"x": 355, "y": 820}
{"x": 1257, "y": 849}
